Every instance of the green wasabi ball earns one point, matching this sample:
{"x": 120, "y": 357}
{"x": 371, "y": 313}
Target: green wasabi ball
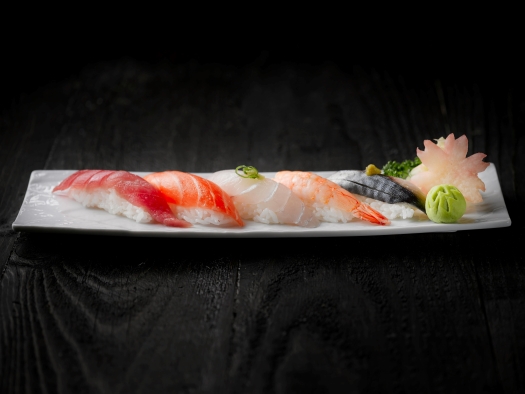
{"x": 445, "y": 204}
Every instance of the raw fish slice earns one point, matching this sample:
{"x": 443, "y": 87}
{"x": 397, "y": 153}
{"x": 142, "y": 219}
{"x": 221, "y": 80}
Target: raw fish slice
{"x": 264, "y": 200}
{"x": 121, "y": 193}
{"x": 331, "y": 202}
{"x": 195, "y": 199}
{"x": 384, "y": 188}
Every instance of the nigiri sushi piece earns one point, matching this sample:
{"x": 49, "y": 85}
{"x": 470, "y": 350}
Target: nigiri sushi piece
{"x": 195, "y": 199}
{"x": 263, "y": 200}
{"x": 330, "y": 201}
{"x": 380, "y": 187}
{"x": 119, "y": 193}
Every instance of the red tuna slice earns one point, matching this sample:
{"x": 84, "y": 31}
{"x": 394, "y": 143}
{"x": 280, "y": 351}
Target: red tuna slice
{"x": 128, "y": 186}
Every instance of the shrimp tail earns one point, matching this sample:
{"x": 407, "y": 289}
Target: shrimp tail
{"x": 366, "y": 212}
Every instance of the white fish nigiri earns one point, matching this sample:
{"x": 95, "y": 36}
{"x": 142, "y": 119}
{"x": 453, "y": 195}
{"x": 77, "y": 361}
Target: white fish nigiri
{"x": 262, "y": 199}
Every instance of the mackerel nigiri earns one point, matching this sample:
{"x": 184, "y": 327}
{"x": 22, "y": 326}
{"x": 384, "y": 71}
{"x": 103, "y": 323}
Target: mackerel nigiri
{"x": 195, "y": 199}
{"x": 262, "y": 199}
{"x": 380, "y": 187}
{"x": 120, "y": 193}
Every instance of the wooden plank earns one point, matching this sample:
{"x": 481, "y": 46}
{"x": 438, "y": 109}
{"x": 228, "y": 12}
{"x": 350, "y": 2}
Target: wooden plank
{"x": 6, "y": 242}
{"x": 347, "y": 317}
{"x": 83, "y": 317}
{"x": 362, "y": 319}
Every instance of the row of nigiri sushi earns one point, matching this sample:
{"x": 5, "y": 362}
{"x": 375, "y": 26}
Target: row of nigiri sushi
{"x": 227, "y": 197}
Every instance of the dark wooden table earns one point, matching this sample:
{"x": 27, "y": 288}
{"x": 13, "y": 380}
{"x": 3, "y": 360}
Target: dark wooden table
{"x": 421, "y": 313}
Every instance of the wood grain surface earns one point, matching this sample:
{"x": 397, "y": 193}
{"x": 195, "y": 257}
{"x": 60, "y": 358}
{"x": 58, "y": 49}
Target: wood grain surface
{"x": 421, "y": 313}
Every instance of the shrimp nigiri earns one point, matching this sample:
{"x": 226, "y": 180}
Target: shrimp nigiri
{"x": 120, "y": 193}
{"x": 331, "y": 202}
{"x": 195, "y": 199}
{"x": 263, "y": 200}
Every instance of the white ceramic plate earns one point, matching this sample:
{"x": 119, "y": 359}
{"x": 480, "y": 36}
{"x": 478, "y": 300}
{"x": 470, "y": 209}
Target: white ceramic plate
{"x": 45, "y": 212}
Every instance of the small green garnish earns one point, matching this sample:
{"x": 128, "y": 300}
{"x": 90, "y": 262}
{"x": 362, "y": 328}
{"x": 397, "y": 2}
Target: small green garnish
{"x": 400, "y": 170}
{"x": 249, "y": 172}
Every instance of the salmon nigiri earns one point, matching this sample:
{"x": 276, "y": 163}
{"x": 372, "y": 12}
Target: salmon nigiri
{"x": 120, "y": 193}
{"x": 195, "y": 199}
{"x": 331, "y": 202}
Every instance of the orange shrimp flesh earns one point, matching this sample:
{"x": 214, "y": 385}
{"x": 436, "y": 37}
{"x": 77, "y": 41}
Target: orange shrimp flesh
{"x": 312, "y": 188}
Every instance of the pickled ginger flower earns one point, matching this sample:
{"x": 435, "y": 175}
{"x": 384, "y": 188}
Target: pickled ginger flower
{"x": 446, "y": 162}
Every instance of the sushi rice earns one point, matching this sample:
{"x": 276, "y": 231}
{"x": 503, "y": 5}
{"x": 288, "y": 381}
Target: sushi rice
{"x": 260, "y": 213}
{"x": 326, "y": 213}
{"x": 202, "y": 216}
{"x": 392, "y": 211}
{"x": 111, "y": 202}
{"x": 257, "y": 213}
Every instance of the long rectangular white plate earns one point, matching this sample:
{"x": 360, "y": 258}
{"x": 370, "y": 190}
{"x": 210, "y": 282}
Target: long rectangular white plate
{"x": 45, "y": 212}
